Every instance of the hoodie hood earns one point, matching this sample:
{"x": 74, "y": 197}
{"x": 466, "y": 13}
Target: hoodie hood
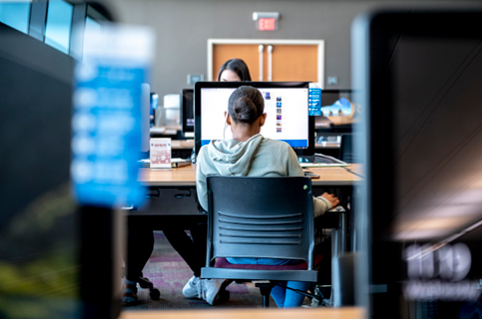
{"x": 231, "y": 157}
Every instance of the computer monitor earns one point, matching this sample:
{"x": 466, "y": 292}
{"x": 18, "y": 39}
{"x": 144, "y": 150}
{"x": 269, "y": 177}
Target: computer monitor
{"x": 339, "y": 112}
{"x": 145, "y": 118}
{"x": 286, "y": 106}
{"x": 154, "y": 99}
{"x": 419, "y": 214}
{"x": 187, "y": 110}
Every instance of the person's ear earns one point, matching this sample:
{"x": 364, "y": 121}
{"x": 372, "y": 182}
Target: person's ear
{"x": 262, "y": 119}
{"x": 228, "y": 118}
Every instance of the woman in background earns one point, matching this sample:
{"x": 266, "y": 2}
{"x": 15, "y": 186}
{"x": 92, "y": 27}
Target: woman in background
{"x": 234, "y": 70}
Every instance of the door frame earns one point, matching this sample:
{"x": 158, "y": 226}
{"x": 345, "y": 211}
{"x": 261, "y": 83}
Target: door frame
{"x": 319, "y": 43}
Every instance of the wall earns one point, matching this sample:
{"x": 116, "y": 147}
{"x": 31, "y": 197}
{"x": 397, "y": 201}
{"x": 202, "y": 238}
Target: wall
{"x": 184, "y": 26}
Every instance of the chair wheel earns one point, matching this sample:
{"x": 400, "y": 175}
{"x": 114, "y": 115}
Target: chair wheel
{"x": 224, "y": 295}
{"x": 145, "y": 283}
{"x": 155, "y": 294}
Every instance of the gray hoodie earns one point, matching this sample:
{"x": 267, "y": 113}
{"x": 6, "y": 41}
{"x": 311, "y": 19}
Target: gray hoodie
{"x": 258, "y": 156}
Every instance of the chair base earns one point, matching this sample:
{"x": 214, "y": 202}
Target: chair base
{"x": 265, "y": 289}
{"x": 154, "y": 293}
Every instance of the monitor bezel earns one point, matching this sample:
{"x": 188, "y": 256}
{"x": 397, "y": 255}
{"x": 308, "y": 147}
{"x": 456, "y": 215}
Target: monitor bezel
{"x": 183, "y": 104}
{"x": 197, "y": 109}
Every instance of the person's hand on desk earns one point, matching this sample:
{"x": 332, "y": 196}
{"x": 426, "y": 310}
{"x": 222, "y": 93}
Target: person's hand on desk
{"x": 334, "y": 201}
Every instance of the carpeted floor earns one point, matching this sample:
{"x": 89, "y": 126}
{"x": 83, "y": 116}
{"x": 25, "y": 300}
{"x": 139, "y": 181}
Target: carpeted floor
{"x": 169, "y": 273}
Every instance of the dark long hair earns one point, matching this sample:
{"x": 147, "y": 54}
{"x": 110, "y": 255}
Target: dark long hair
{"x": 237, "y": 66}
{"x": 246, "y": 104}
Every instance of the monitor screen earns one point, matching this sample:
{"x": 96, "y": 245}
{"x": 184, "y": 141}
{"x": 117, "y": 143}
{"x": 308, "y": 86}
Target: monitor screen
{"x": 286, "y": 106}
{"x": 154, "y": 104}
{"x": 338, "y": 112}
{"x": 187, "y": 110}
{"x": 424, "y": 182}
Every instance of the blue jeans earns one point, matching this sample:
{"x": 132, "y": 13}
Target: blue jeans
{"x": 284, "y": 298}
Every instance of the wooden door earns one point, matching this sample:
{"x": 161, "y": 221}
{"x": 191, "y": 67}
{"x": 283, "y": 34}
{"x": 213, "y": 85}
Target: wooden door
{"x": 246, "y": 52}
{"x": 290, "y": 60}
{"x": 293, "y": 63}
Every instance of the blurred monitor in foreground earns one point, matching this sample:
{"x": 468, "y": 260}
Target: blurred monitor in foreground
{"x": 39, "y": 232}
{"x": 420, "y": 214}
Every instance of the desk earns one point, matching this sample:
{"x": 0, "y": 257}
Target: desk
{"x": 179, "y": 182}
{"x": 356, "y": 169}
{"x": 316, "y": 313}
{"x": 186, "y": 176}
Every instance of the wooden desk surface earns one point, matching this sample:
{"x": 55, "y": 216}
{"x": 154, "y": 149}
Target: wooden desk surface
{"x": 186, "y": 176}
{"x": 183, "y": 176}
{"x": 357, "y": 169}
{"x": 212, "y": 313}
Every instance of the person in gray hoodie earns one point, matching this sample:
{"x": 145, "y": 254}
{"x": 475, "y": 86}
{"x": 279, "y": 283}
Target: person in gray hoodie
{"x": 251, "y": 154}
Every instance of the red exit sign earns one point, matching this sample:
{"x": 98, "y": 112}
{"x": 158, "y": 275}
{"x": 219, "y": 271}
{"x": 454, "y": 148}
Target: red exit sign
{"x": 266, "y": 24}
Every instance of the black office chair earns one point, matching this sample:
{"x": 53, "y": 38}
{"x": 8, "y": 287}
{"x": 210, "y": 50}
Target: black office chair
{"x": 260, "y": 217}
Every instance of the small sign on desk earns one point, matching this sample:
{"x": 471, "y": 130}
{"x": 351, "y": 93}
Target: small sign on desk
{"x": 160, "y": 153}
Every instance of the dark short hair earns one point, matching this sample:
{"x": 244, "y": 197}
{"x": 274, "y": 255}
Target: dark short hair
{"x": 246, "y": 104}
{"x": 237, "y": 66}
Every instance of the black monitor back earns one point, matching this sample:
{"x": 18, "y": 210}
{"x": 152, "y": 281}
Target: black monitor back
{"x": 187, "y": 110}
{"x": 418, "y": 71}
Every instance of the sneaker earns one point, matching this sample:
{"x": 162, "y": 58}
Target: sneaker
{"x": 210, "y": 290}
{"x": 129, "y": 293}
{"x": 193, "y": 288}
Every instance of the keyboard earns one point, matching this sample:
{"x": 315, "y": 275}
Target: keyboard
{"x": 306, "y": 165}
{"x": 322, "y": 160}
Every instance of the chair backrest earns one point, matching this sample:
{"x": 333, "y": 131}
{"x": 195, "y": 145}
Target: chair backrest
{"x": 269, "y": 217}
